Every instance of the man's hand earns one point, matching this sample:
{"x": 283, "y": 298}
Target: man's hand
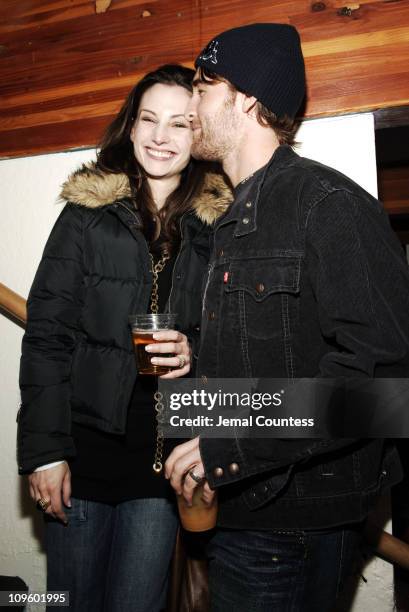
{"x": 171, "y": 341}
{"x": 183, "y": 458}
{"x": 54, "y": 485}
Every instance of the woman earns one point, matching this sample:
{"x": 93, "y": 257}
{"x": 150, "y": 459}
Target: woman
{"x": 133, "y": 237}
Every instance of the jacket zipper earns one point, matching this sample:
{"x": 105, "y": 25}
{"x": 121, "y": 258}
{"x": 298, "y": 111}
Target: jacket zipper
{"x": 132, "y": 212}
{"x": 209, "y": 273}
{"x": 176, "y": 261}
{"x": 177, "y": 257}
{"x": 210, "y": 268}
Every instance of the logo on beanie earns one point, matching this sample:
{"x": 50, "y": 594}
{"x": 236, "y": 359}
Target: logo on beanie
{"x": 210, "y": 52}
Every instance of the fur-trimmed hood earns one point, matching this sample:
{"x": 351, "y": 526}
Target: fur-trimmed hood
{"x": 90, "y": 187}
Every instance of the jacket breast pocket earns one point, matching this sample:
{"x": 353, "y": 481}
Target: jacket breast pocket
{"x": 263, "y": 291}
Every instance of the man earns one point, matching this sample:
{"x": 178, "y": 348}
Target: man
{"x": 306, "y": 280}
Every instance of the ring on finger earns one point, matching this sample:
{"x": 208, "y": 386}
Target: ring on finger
{"x": 196, "y": 477}
{"x": 42, "y": 504}
{"x": 182, "y": 361}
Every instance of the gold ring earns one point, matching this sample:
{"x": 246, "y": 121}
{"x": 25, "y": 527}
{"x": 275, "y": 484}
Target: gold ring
{"x": 182, "y": 361}
{"x": 42, "y": 504}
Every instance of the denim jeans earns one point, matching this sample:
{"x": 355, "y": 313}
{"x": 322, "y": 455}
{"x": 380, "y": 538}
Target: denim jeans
{"x": 113, "y": 558}
{"x": 279, "y": 571}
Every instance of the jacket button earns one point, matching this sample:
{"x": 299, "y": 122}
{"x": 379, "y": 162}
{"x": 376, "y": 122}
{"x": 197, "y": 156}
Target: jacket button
{"x": 260, "y": 287}
{"x": 234, "y": 468}
{"x": 249, "y": 204}
{"x": 212, "y": 315}
{"x": 203, "y": 379}
{"x": 218, "y": 472}
{"x": 197, "y": 328}
{"x": 245, "y": 220}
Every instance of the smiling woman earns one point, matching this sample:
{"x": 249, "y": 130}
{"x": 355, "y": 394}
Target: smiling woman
{"x": 150, "y": 140}
{"x": 161, "y": 135}
{"x": 87, "y": 434}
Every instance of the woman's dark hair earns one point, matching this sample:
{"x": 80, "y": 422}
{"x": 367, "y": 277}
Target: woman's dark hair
{"x": 116, "y": 155}
{"x": 284, "y": 127}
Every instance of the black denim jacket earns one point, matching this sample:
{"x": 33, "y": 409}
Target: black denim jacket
{"x": 306, "y": 279}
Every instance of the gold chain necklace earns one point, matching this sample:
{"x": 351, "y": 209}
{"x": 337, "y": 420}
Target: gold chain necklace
{"x": 156, "y": 269}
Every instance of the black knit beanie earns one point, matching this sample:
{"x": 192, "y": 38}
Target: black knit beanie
{"x": 264, "y": 60}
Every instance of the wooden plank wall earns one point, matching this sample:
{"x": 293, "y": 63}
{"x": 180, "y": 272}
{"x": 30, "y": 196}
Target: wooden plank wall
{"x": 393, "y": 185}
{"x": 64, "y": 70}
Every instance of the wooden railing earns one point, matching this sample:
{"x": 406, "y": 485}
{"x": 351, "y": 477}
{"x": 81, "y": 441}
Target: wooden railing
{"x": 382, "y": 543}
{"x": 387, "y": 546}
{"x": 13, "y": 303}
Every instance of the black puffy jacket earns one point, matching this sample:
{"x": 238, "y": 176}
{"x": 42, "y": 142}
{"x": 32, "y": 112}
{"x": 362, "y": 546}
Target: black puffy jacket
{"x": 77, "y": 359}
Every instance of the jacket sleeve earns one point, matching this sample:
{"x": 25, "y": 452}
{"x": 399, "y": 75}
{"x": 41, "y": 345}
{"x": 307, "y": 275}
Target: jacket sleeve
{"x": 53, "y": 312}
{"x": 360, "y": 281}
{"x": 361, "y": 284}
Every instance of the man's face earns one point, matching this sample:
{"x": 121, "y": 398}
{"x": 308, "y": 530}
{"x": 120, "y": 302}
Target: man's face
{"x": 215, "y": 120}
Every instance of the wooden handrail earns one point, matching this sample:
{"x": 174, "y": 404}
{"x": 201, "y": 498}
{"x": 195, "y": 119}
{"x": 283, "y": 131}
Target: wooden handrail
{"x": 382, "y": 543}
{"x": 386, "y": 545}
{"x": 13, "y": 303}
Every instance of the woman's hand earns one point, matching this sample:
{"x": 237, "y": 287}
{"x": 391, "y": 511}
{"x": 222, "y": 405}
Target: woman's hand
{"x": 52, "y": 485}
{"x": 171, "y": 341}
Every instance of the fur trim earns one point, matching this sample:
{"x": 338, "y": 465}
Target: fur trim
{"x": 214, "y": 198}
{"x": 93, "y": 188}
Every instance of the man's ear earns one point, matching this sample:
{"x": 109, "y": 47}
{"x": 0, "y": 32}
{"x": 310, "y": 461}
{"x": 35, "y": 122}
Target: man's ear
{"x": 248, "y": 104}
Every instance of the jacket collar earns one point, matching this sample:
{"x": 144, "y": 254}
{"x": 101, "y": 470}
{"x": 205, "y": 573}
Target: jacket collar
{"x": 92, "y": 188}
{"x": 246, "y": 212}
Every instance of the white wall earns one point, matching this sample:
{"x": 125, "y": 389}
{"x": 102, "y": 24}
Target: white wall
{"x": 29, "y": 190}
{"x": 345, "y": 143}
{"x": 29, "y": 187}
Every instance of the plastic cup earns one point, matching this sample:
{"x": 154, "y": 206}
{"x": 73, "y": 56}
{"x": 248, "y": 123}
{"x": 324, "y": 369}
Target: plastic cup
{"x": 199, "y": 516}
{"x": 143, "y": 327}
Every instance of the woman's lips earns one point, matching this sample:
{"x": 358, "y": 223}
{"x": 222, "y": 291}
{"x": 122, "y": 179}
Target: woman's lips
{"x": 158, "y": 154}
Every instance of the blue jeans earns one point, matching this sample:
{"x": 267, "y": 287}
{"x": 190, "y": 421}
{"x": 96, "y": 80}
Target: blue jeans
{"x": 278, "y": 571}
{"x": 113, "y": 558}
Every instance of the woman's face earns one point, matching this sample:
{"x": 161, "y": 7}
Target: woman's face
{"x": 161, "y": 136}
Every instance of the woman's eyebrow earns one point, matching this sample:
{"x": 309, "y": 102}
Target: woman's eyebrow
{"x": 153, "y": 113}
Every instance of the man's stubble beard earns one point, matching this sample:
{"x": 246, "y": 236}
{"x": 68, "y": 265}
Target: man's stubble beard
{"x": 218, "y": 134}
